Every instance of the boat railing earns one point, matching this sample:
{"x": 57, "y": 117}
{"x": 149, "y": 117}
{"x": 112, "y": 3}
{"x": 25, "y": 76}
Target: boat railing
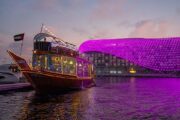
{"x": 56, "y": 41}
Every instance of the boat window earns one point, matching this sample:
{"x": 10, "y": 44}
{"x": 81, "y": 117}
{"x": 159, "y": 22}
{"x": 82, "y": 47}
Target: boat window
{"x": 56, "y": 63}
{"x": 69, "y": 65}
{"x": 38, "y": 61}
{"x": 62, "y": 64}
{"x": 84, "y": 69}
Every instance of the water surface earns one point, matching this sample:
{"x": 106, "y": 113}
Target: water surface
{"x": 113, "y": 99}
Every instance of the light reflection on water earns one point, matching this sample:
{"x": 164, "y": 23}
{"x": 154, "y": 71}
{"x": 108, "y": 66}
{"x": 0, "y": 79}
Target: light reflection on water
{"x": 112, "y": 99}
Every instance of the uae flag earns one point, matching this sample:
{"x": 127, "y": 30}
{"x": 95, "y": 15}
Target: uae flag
{"x": 19, "y": 37}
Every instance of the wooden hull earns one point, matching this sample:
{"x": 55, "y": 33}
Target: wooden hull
{"x": 47, "y": 83}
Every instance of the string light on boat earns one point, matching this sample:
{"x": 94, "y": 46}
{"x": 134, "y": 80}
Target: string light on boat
{"x": 57, "y": 59}
{"x": 71, "y": 62}
{"x": 62, "y": 42}
{"x": 65, "y": 61}
{"x": 45, "y": 32}
{"x": 80, "y": 64}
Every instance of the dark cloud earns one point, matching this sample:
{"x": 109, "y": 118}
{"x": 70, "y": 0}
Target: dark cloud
{"x": 124, "y": 24}
{"x": 150, "y": 28}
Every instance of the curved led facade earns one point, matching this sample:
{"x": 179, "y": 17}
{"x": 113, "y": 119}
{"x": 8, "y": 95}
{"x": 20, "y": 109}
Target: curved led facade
{"x": 162, "y": 54}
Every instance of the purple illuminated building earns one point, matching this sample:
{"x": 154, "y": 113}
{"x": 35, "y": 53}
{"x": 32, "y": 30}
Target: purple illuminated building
{"x": 134, "y": 55}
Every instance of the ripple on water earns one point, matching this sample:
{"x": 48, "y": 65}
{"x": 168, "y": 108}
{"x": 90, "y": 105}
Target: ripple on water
{"x": 112, "y": 99}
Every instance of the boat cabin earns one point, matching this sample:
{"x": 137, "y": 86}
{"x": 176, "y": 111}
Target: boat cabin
{"x": 55, "y": 55}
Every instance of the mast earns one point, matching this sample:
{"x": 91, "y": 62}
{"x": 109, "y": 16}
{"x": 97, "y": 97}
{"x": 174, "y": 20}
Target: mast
{"x": 42, "y": 28}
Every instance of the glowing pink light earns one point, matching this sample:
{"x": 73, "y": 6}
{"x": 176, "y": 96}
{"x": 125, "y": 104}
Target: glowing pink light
{"x": 155, "y": 53}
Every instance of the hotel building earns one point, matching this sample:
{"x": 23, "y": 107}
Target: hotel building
{"x": 134, "y": 56}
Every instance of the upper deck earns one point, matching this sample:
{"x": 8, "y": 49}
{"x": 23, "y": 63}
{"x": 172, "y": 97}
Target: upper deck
{"x": 47, "y": 44}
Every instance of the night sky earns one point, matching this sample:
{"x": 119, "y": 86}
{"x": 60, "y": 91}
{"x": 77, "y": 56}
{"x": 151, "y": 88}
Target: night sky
{"x": 78, "y": 20}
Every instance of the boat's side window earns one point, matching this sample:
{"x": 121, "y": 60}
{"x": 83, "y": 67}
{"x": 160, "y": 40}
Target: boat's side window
{"x": 56, "y": 63}
{"x": 69, "y": 65}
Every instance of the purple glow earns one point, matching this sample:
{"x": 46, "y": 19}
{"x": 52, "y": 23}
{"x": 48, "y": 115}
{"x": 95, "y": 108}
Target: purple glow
{"x": 155, "y": 53}
{"x": 82, "y": 67}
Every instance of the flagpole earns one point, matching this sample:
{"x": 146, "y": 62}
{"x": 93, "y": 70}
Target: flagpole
{"x": 21, "y": 47}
